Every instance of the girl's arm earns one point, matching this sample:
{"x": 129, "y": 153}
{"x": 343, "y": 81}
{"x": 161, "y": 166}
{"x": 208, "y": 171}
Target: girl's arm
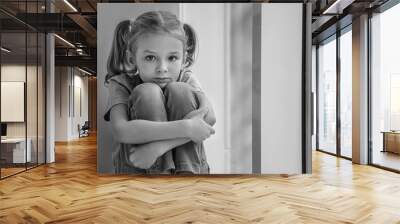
{"x": 209, "y": 118}
{"x": 144, "y": 131}
{"x": 191, "y": 79}
{"x": 145, "y": 155}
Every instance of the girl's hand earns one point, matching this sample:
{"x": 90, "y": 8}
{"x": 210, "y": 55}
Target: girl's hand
{"x": 198, "y": 130}
{"x": 141, "y": 158}
{"x": 199, "y": 113}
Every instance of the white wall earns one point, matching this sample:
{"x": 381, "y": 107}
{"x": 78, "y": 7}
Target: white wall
{"x": 66, "y": 121}
{"x": 80, "y": 83}
{"x": 209, "y": 69}
{"x": 281, "y": 71}
{"x": 61, "y": 103}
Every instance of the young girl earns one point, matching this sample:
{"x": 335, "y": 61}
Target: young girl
{"x": 157, "y": 109}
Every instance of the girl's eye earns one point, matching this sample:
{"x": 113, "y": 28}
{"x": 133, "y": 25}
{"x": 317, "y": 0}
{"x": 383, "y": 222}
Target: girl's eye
{"x": 173, "y": 58}
{"x": 150, "y": 58}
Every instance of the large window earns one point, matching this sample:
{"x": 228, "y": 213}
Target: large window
{"x": 334, "y": 94}
{"x": 346, "y": 93}
{"x": 385, "y": 88}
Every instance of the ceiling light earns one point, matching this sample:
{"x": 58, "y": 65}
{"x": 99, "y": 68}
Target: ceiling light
{"x": 64, "y": 40}
{"x": 71, "y": 6}
{"x": 84, "y": 71}
{"x": 5, "y": 50}
{"x": 337, "y": 7}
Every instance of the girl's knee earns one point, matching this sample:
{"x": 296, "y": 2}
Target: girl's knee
{"x": 147, "y": 92}
{"x": 147, "y": 89}
{"x": 178, "y": 88}
{"x": 146, "y": 96}
{"x": 180, "y": 100}
{"x": 179, "y": 92}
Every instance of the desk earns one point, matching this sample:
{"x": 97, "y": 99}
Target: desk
{"x": 13, "y": 150}
{"x": 391, "y": 141}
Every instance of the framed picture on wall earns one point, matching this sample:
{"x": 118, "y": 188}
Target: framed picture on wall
{"x": 176, "y": 88}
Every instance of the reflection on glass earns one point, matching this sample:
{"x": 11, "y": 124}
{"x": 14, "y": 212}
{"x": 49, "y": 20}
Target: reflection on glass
{"x": 31, "y": 101}
{"x": 327, "y": 97}
{"x": 41, "y": 97}
{"x": 385, "y": 83}
{"x": 346, "y": 94}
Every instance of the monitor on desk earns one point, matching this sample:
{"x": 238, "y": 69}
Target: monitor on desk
{"x": 3, "y": 130}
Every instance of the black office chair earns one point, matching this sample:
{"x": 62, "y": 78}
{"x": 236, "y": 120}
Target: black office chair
{"x": 84, "y": 130}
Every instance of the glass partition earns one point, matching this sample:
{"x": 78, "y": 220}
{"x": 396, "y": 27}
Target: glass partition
{"x": 13, "y": 94}
{"x": 22, "y": 89}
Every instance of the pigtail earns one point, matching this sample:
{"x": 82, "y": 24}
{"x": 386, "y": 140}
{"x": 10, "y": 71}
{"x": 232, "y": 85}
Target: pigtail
{"x": 117, "y": 58}
{"x": 191, "y": 45}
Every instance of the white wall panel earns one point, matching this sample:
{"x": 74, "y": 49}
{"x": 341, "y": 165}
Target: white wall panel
{"x": 281, "y": 102}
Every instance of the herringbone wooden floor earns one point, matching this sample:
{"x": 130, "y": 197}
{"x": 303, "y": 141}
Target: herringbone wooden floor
{"x": 71, "y": 191}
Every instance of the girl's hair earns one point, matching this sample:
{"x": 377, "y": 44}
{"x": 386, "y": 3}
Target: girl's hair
{"x": 117, "y": 62}
{"x": 156, "y": 22}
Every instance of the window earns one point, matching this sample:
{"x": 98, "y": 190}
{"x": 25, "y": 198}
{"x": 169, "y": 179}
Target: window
{"x": 346, "y": 93}
{"x": 385, "y": 88}
{"x": 327, "y": 96}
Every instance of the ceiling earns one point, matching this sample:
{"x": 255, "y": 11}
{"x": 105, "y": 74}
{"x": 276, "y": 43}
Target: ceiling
{"x": 76, "y": 22}
{"x": 332, "y": 15}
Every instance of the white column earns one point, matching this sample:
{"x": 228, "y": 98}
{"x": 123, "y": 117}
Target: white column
{"x": 360, "y": 90}
{"x": 50, "y": 99}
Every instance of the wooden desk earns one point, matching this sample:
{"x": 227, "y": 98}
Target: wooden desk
{"x": 13, "y": 150}
{"x": 391, "y": 141}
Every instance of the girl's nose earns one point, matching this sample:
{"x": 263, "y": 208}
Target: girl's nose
{"x": 162, "y": 67}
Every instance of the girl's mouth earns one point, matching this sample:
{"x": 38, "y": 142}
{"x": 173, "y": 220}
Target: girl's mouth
{"x": 162, "y": 80}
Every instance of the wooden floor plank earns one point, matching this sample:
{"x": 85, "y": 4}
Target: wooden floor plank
{"x": 71, "y": 191}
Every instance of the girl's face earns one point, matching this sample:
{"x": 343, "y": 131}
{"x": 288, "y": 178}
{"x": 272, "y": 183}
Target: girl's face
{"x": 159, "y": 58}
